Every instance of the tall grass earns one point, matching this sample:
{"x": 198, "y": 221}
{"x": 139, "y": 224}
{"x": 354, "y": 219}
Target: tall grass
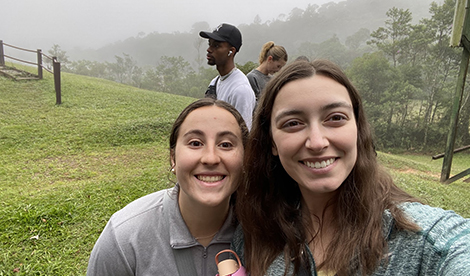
{"x": 64, "y": 170}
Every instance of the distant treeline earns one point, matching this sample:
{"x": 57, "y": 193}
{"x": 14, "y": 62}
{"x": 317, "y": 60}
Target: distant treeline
{"x": 405, "y": 72}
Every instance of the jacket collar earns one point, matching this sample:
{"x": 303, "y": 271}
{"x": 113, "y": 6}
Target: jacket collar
{"x": 178, "y": 232}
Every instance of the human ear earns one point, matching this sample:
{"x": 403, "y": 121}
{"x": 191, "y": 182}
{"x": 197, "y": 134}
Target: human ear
{"x": 274, "y": 150}
{"x": 172, "y": 158}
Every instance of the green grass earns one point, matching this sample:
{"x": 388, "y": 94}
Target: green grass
{"x": 419, "y": 175}
{"x": 64, "y": 170}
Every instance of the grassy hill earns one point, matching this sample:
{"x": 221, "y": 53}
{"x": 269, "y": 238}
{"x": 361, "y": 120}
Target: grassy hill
{"x": 65, "y": 169}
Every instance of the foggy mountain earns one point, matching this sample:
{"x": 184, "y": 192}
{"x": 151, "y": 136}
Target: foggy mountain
{"x": 311, "y": 24}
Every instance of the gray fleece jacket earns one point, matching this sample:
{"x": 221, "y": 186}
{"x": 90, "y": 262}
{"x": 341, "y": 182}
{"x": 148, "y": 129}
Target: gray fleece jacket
{"x": 442, "y": 247}
{"x": 140, "y": 238}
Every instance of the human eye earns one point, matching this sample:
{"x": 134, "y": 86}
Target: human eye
{"x": 226, "y": 145}
{"x": 337, "y": 119}
{"x": 291, "y": 125}
{"x": 195, "y": 143}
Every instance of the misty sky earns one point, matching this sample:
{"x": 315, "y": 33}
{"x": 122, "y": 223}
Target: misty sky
{"x": 38, "y": 24}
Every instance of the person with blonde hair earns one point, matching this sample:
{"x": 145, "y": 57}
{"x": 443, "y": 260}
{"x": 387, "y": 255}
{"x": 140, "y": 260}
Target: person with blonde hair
{"x": 316, "y": 201}
{"x": 271, "y": 59}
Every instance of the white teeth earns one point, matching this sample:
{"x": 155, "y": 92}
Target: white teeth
{"x": 319, "y": 165}
{"x": 210, "y": 178}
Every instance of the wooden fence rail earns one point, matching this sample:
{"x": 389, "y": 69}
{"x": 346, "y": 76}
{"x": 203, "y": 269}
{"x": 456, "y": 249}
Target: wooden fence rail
{"x": 55, "y": 66}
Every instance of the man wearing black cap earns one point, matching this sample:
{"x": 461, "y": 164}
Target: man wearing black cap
{"x": 231, "y": 85}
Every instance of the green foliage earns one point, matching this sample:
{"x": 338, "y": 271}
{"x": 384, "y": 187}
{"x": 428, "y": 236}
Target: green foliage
{"x": 392, "y": 38}
{"x": 247, "y": 67}
{"x": 358, "y": 39}
{"x": 407, "y": 90}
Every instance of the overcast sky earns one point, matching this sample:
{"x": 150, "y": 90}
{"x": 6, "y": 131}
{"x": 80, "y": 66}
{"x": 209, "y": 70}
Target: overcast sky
{"x": 38, "y": 24}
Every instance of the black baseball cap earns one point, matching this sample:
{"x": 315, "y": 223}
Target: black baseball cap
{"x": 225, "y": 32}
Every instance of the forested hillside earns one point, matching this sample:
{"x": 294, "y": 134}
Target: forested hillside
{"x": 311, "y": 24}
{"x": 403, "y": 67}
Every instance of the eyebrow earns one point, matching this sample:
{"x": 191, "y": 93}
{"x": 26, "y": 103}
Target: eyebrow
{"x": 219, "y": 134}
{"x": 336, "y": 105}
{"x": 323, "y": 108}
{"x": 287, "y": 113}
{"x": 193, "y": 131}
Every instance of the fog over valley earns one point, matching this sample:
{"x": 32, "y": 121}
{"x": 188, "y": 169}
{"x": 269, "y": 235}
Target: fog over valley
{"x": 92, "y": 24}
{"x": 99, "y": 30}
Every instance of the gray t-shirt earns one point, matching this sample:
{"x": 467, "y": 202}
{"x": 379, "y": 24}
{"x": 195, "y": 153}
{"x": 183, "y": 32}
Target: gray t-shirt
{"x": 236, "y": 90}
{"x": 257, "y": 81}
{"x": 139, "y": 240}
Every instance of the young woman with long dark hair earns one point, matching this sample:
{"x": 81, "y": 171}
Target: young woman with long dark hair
{"x": 315, "y": 201}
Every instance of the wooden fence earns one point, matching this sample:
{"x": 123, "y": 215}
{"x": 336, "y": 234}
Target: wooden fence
{"x": 55, "y": 66}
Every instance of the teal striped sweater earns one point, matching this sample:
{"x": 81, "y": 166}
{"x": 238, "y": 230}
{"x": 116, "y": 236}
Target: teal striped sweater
{"x": 442, "y": 247}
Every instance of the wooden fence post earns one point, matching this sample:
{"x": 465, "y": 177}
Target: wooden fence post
{"x": 457, "y": 102}
{"x": 56, "y": 68}
{"x": 2, "y": 54}
{"x": 39, "y": 64}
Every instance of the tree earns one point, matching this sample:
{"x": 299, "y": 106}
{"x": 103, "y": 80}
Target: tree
{"x": 199, "y": 26}
{"x": 198, "y": 42}
{"x": 440, "y": 67}
{"x": 333, "y": 50}
{"x": 125, "y": 69}
{"x": 89, "y": 68}
{"x": 169, "y": 76}
{"x": 307, "y": 49}
{"x": 257, "y": 20}
{"x": 61, "y": 56}
{"x": 392, "y": 38}
{"x": 358, "y": 39}
{"x": 373, "y": 76}
{"x": 247, "y": 67}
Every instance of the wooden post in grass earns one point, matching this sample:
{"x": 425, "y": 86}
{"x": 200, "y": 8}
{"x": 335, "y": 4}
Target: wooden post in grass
{"x": 56, "y": 68}
{"x": 461, "y": 34}
{"x": 39, "y": 64}
{"x": 2, "y": 54}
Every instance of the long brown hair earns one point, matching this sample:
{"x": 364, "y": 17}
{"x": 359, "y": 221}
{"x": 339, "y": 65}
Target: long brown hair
{"x": 269, "y": 199}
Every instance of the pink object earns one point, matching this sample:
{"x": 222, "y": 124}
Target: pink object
{"x": 229, "y": 267}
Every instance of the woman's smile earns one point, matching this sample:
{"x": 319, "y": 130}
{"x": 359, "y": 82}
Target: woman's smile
{"x": 319, "y": 164}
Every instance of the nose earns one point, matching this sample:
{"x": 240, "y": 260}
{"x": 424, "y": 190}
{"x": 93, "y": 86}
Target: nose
{"x": 210, "y": 156}
{"x": 317, "y": 139}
